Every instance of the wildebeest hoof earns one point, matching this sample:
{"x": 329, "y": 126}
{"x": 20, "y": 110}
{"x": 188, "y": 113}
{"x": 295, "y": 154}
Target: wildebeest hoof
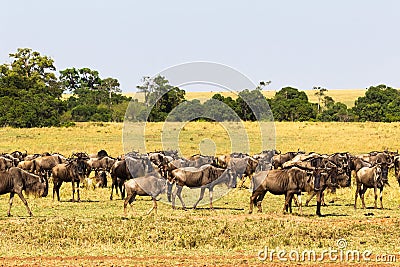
{"x": 8, "y": 214}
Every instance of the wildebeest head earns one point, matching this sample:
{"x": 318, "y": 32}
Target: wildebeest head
{"x": 35, "y": 185}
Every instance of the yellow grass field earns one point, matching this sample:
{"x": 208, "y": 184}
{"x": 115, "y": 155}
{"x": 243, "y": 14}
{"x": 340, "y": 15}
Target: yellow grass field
{"x": 94, "y": 232}
{"x": 323, "y": 137}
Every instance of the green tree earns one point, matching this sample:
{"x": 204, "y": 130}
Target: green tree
{"x": 30, "y": 95}
{"x": 290, "y": 104}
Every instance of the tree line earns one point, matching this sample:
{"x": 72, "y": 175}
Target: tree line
{"x": 32, "y": 95}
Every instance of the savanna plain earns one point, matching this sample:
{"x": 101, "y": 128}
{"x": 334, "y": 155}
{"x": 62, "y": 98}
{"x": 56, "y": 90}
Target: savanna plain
{"x": 94, "y": 232}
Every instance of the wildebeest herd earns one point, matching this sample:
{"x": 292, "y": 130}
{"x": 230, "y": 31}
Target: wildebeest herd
{"x": 289, "y": 174}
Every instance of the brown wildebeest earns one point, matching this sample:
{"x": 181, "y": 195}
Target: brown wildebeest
{"x": 286, "y": 182}
{"x": 207, "y": 176}
{"x": 43, "y": 165}
{"x": 16, "y": 180}
{"x": 278, "y": 160}
{"x": 25, "y": 165}
{"x": 97, "y": 164}
{"x": 5, "y": 164}
{"x": 72, "y": 171}
{"x": 150, "y": 185}
{"x": 370, "y": 177}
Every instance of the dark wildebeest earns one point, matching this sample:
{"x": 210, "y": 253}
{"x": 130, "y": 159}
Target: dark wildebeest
{"x": 19, "y": 155}
{"x": 73, "y": 171}
{"x": 13, "y": 159}
{"x": 44, "y": 165}
{"x": 5, "y": 163}
{"x": 15, "y": 180}
{"x": 98, "y": 164}
{"x": 126, "y": 169}
{"x": 371, "y": 177}
{"x": 207, "y": 176}
{"x": 150, "y": 185}
{"x": 286, "y": 182}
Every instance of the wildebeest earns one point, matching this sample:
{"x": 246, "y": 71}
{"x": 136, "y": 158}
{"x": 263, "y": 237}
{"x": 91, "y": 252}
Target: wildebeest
{"x": 242, "y": 168}
{"x": 25, "y": 165}
{"x": 5, "y": 164}
{"x": 286, "y": 182}
{"x": 207, "y": 176}
{"x": 97, "y": 164}
{"x": 73, "y": 171}
{"x": 16, "y": 180}
{"x": 278, "y": 160}
{"x": 150, "y": 185}
{"x": 370, "y": 177}
{"x": 44, "y": 165}
{"x": 126, "y": 169}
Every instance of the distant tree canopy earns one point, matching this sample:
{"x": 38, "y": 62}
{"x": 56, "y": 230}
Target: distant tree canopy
{"x": 31, "y": 95}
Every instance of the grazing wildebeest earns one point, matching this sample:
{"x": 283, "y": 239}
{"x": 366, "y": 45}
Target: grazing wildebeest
{"x": 126, "y": 169}
{"x": 73, "y": 171}
{"x": 370, "y": 177}
{"x": 5, "y": 163}
{"x": 44, "y": 165}
{"x": 13, "y": 159}
{"x": 266, "y": 155}
{"x": 15, "y": 180}
{"x": 286, "y": 182}
{"x": 149, "y": 185}
{"x": 19, "y": 155}
{"x": 207, "y": 176}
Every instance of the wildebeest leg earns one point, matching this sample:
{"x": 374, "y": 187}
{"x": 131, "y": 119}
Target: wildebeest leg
{"x": 179, "y": 192}
{"x": 253, "y": 201}
{"x": 169, "y": 190}
{"x": 202, "y": 190}
{"x": 311, "y": 197}
{"x": 358, "y": 191}
{"x": 21, "y": 196}
{"x": 129, "y": 199}
{"x": 376, "y": 196}
{"x": 210, "y": 191}
{"x": 362, "y": 195}
{"x": 259, "y": 201}
{"x": 287, "y": 199}
{"x": 77, "y": 186}
{"x": 154, "y": 206}
{"x": 10, "y": 204}
{"x": 73, "y": 191}
{"x": 380, "y": 196}
{"x": 56, "y": 188}
{"x": 319, "y": 193}
{"x": 300, "y": 203}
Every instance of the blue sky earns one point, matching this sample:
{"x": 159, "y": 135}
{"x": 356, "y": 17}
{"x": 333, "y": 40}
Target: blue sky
{"x": 334, "y": 44}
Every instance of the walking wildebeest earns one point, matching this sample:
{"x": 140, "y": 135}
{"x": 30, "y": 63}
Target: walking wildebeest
{"x": 207, "y": 176}
{"x": 126, "y": 169}
{"x": 370, "y": 177}
{"x": 73, "y": 171}
{"x": 242, "y": 168}
{"x": 149, "y": 185}
{"x": 16, "y": 180}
